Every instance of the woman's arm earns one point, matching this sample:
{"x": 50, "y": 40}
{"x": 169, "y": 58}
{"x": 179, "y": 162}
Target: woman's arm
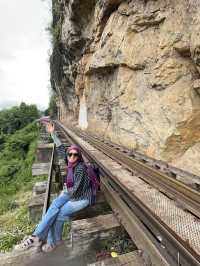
{"x": 56, "y": 139}
{"x": 59, "y": 146}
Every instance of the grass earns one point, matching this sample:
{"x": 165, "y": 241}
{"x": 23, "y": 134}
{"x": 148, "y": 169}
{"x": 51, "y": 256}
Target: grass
{"x": 15, "y": 224}
{"x": 16, "y": 166}
{"x": 16, "y": 182}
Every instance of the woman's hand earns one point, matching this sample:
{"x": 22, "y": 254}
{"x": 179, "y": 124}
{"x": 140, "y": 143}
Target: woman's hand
{"x": 62, "y": 193}
{"x": 50, "y": 127}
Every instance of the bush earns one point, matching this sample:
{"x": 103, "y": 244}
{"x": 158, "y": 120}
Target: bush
{"x": 16, "y": 163}
{"x": 16, "y": 117}
{"x": 14, "y": 226}
{"x": 18, "y": 141}
{"x": 16, "y": 181}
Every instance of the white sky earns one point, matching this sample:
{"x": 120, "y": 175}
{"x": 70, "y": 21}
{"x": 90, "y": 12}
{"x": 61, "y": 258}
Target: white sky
{"x": 24, "y": 46}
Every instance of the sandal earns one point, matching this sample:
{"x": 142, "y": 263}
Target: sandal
{"x": 27, "y": 242}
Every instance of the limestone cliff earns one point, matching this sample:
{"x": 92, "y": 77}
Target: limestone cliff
{"x": 130, "y": 71}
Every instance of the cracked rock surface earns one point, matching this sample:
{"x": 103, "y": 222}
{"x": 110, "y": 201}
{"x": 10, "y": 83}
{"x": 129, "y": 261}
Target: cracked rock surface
{"x": 135, "y": 67}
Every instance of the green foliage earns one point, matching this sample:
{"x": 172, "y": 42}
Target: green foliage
{"x": 18, "y": 143}
{"x": 119, "y": 242}
{"x": 16, "y": 118}
{"x": 16, "y": 182}
{"x": 52, "y": 108}
{"x": 2, "y": 140}
{"x": 54, "y": 29}
{"x": 66, "y": 230}
{"x": 16, "y": 164}
{"x": 54, "y": 32}
{"x": 15, "y": 224}
{"x": 55, "y": 7}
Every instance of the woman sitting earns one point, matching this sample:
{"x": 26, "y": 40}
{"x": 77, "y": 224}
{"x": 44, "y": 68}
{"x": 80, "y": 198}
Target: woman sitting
{"x": 77, "y": 196}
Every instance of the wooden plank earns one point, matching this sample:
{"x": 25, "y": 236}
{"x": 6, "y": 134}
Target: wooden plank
{"x": 95, "y": 224}
{"x": 43, "y": 154}
{"x": 100, "y": 207}
{"x": 40, "y": 169}
{"x": 35, "y": 207}
{"x": 40, "y": 165}
{"x": 45, "y": 146}
{"x": 133, "y": 258}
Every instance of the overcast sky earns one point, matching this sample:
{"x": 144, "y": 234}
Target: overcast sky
{"x": 24, "y": 46}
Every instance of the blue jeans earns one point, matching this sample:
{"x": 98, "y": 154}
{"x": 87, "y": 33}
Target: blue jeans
{"x": 51, "y": 225}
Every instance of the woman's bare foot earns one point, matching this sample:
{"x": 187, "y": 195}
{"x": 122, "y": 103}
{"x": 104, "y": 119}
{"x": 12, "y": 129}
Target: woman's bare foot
{"x": 50, "y": 247}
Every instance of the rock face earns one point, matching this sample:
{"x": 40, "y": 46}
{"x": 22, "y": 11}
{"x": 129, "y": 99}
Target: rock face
{"x": 130, "y": 71}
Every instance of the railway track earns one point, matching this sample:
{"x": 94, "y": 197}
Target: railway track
{"x": 188, "y": 197}
{"x": 189, "y": 179}
{"x": 161, "y": 240}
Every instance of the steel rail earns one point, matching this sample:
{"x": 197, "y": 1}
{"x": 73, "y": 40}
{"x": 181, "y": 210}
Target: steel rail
{"x": 49, "y": 181}
{"x": 171, "y": 246}
{"x": 159, "y": 165}
{"x": 176, "y": 250}
{"x": 175, "y": 189}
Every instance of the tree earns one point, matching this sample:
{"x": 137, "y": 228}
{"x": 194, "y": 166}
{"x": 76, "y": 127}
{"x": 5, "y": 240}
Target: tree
{"x": 17, "y": 117}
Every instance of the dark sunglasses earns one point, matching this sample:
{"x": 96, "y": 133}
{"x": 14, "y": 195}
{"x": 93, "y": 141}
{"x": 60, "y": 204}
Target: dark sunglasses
{"x": 74, "y": 154}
